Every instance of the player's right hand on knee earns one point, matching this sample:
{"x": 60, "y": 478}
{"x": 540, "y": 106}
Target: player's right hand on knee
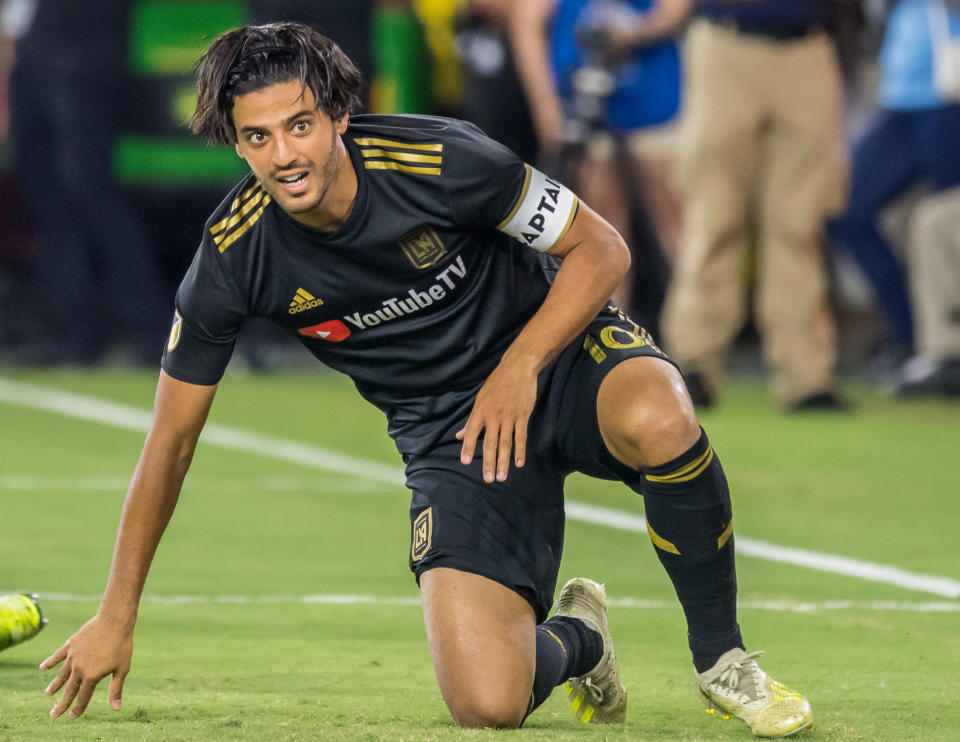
{"x": 500, "y": 413}
{"x": 98, "y": 649}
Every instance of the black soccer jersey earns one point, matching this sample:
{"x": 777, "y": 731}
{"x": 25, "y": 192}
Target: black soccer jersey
{"x": 415, "y": 297}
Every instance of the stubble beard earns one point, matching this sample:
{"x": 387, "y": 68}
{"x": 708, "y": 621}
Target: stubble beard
{"x": 293, "y": 205}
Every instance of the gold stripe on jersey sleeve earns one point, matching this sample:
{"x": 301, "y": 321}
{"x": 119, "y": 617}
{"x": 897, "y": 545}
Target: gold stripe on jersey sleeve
{"x": 372, "y": 142}
{"x": 378, "y": 165}
{"x": 402, "y": 156}
{"x": 224, "y": 223}
{"x": 241, "y": 214}
{"x": 248, "y": 199}
{"x": 519, "y": 202}
{"x": 244, "y": 196}
{"x": 242, "y": 229}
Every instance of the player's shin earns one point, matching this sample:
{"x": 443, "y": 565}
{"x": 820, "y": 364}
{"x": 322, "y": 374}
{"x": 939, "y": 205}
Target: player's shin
{"x": 690, "y": 521}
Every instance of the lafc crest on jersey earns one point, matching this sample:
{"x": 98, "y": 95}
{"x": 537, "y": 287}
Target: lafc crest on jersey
{"x": 422, "y": 246}
{"x": 422, "y": 535}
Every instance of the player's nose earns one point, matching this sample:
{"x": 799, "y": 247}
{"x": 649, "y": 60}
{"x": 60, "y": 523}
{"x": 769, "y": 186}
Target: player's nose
{"x": 284, "y": 155}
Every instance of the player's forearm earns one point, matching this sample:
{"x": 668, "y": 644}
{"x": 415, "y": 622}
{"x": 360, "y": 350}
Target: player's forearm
{"x": 526, "y": 25}
{"x": 533, "y": 65}
{"x": 180, "y": 412}
{"x": 147, "y": 509}
{"x": 537, "y": 81}
{"x": 588, "y": 275}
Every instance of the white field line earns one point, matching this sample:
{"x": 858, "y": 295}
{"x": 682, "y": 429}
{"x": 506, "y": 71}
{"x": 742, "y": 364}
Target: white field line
{"x": 943, "y": 586}
{"x": 782, "y": 606}
{"x": 132, "y": 418}
{"x": 119, "y": 415}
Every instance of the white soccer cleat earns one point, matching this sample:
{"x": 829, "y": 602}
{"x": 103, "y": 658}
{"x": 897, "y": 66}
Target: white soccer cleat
{"x": 736, "y": 686}
{"x": 599, "y": 697}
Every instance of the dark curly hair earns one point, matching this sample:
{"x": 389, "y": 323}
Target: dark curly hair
{"x": 253, "y": 57}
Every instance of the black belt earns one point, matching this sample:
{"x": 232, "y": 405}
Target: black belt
{"x": 779, "y": 32}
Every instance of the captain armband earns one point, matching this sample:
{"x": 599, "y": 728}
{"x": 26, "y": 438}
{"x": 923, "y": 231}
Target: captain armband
{"x": 542, "y": 214}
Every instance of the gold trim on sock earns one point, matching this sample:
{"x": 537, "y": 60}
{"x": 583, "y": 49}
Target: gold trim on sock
{"x": 660, "y": 542}
{"x": 686, "y": 472}
{"x": 555, "y": 638}
{"x": 725, "y": 536}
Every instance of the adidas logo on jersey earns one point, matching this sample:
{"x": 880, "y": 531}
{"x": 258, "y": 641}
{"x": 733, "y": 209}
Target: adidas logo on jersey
{"x": 302, "y": 301}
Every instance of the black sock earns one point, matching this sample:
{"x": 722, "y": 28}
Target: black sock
{"x": 690, "y": 521}
{"x": 566, "y": 648}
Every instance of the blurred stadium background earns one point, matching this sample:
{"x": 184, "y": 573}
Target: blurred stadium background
{"x": 419, "y": 56}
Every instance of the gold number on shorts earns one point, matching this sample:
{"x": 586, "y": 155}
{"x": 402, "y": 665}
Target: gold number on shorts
{"x": 620, "y": 338}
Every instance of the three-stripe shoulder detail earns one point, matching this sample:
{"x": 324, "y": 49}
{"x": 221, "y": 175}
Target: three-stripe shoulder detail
{"x": 422, "y": 158}
{"x": 245, "y": 210}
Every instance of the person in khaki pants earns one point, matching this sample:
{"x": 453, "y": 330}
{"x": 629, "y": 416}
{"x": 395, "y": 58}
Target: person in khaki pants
{"x": 761, "y": 163}
{"x": 934, "y": 270}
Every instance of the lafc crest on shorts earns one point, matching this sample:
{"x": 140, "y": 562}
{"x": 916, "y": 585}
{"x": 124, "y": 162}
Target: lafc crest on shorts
{"x": 422, "y": 535}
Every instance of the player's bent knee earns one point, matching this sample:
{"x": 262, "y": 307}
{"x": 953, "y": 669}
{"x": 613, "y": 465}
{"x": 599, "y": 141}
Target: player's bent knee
{"x": 645, "y": 414}
{"x": 482, "y": 710}
{"x": 483, "y": 641}
{"x": 653, "y": 434}
{"x": 479, "y": 696}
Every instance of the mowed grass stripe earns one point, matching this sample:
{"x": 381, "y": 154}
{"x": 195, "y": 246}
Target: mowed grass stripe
{"x": 125, "y": 416}
{"x": 112, "y": 483}
{"x": 781, "y": 606}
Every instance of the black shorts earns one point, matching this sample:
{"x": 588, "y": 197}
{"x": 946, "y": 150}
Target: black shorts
{"x": 512, "y": 531}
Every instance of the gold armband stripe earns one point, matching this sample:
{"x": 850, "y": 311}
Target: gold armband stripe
{"x": 566, "y": 227}
{"x": 520, "y": 198}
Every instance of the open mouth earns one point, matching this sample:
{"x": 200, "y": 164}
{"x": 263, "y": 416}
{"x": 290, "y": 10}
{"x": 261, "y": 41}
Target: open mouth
{"x": 293, "y": 183}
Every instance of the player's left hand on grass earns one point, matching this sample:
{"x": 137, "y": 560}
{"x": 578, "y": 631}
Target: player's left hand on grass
{"x": 500, "y": 412}
{"x": 98, "y": 649}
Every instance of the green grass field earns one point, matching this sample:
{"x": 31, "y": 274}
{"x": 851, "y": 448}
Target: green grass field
{"x": 241, "y": 635}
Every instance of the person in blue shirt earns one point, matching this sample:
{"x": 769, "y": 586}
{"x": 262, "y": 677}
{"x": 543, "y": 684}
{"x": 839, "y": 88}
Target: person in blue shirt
{"x": 913, "y": 140}
{"x": 603, "y": 78}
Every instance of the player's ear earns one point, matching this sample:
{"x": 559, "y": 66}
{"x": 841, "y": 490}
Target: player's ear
{"x": 236, "y": 146}
{"x": 342, "y": 122}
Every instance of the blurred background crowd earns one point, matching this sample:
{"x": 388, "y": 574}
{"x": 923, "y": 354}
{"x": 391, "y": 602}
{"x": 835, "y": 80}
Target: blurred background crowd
{"x": 787, "y": 172}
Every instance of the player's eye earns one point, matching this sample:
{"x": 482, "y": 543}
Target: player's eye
{"x": 301, "y": 127}
{"x": 256, "y": 137}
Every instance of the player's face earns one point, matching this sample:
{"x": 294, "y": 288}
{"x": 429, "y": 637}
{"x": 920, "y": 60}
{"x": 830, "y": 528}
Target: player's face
{"x": 296, "y": 152}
